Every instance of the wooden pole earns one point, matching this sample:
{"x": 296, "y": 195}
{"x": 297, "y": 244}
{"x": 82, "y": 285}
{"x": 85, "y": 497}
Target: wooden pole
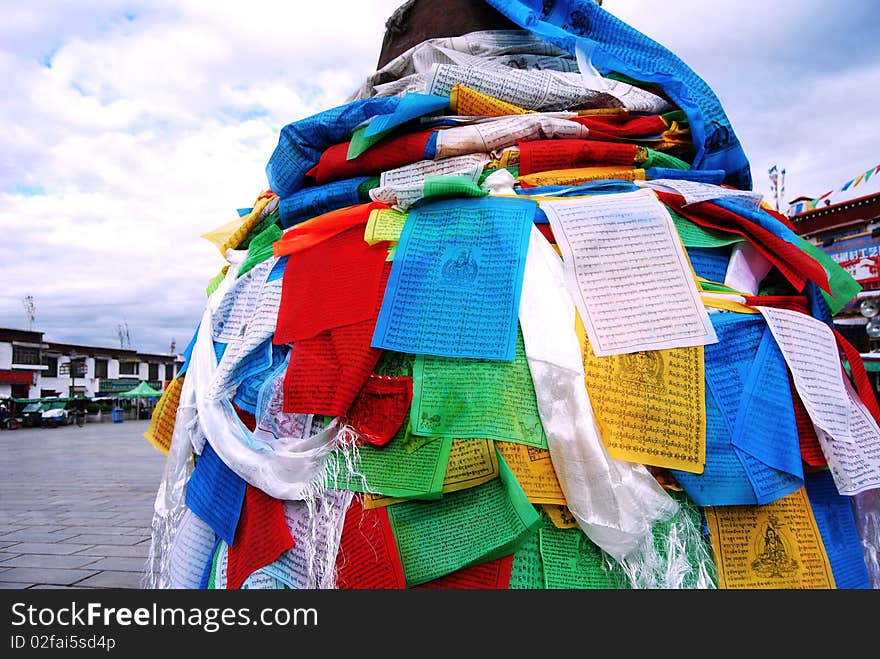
{"x": 416, "y": 21}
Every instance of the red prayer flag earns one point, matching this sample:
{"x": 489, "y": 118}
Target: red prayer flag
{"x": 795, "y": 265}
{"x": 330, "y": 284}
{"x": 811, "y": 450}
{"x": 248, "y": 419}
{"x": 262, "y": 536}
{"x": 381, "y": 408}
{"x": 547, "y": 232}
{"x": 368, "y": 558}
{"x": 859, "y": 375}
{"x": 547, "y": 155}
{"x": 623, "y": 124}
{"x": 492, "y": 575}
{"x": 790, "y": 302}
{"x": 327, "y": 371}
{"x": 390, "y": 153}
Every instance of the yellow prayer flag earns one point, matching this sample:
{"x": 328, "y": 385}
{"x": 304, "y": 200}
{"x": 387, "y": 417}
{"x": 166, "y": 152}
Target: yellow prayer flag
{"x": 560, "y": 515}
{"x": 219, "y": 236}
{"x": 725, "y": 302}
{"x": 162, "y": 420}
{"x": 384, "y": 224}
{"x": 771, "y": 546}
{"x": 591, "y": 112}
{"x": 675, "y": 138}
{"x": 579, "y": 175}
{"x": 467, "y": 102}
{"x": 650, "y": 405}
{"x": 507, "y": 158}
{"x": 248, "y": 222}
{"x": 534, "y": 471}
{"x": 231, "y": 234}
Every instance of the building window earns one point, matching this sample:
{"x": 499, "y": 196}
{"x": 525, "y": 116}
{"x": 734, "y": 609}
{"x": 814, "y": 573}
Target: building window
{"x": 128, "y": 368}
{"x": 26, "y": 355}
{"x": 101, "y": 368}
{"x": 154, "y": 372}
{"x": 52, "y": 367}
{"x": 169, "y": 371}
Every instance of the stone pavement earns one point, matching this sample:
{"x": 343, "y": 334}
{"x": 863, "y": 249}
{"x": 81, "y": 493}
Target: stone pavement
{"x": 76, "y": 504}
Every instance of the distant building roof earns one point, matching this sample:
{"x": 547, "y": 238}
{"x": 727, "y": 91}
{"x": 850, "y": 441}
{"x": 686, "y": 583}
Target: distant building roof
{"x": 20, "y": 335}
{"x": 835, "y": 217}
{"x": 125, "y": 354}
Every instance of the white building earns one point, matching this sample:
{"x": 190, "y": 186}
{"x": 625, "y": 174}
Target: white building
{"x": 33, "y": 368}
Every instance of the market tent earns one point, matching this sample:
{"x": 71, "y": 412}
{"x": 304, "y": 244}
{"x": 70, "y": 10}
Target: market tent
{"x": 143, "y": 390}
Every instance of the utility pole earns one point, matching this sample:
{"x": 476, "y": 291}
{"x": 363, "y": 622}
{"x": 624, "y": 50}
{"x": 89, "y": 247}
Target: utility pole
{"x": 77, "y": 366}
{"x": 30, "y": 310}
{"x": 777, "y": 185}
{"x": 123, "y": 334}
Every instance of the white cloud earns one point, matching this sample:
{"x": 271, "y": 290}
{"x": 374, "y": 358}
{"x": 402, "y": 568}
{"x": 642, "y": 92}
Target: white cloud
{"x": 145, "y": 125}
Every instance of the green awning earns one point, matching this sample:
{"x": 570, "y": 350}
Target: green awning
{"x": 52, "y": 399}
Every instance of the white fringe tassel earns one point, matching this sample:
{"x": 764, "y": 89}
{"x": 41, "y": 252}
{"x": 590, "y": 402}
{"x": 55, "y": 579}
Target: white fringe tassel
{"x": 681, "y": 559}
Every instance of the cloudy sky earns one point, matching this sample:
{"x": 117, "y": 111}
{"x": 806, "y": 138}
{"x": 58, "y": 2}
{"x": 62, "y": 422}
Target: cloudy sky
{"x": 132, "y": 127}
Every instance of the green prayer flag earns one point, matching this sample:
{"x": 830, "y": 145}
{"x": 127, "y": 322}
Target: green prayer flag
{"x": 440, "y": 186}
{"x": 272, "y": 218}
{"x": 843, "y": 286}
{"x": 463, "y": 528}
{"x": 214, "y": 283}
{"x": 693, "y": 235}
{"x": 260, "y": 248}
{"x": 527, "y": 572}
{"x": 488, "y": 398}
{"x": 661, "y": 159}
{"x": 364, "y": 188}
{"x": 679, "y": 116}
{"x": 572, "y": 560}
{"x": 715, "y": 286}
{"x": 212, "y": 575}
{"x": 513, "y": 169}
{"x": 393, "y": 471}
{"x": 395, "y": 364}
{"x": 360, "y": 143}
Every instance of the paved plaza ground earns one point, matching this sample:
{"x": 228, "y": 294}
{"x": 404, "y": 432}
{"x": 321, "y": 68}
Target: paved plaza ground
{"x": 76, "y": 504}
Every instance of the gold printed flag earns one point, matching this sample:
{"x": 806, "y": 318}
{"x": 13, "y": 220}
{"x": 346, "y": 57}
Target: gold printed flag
{"x": 467, "y": 102}
{"x": 580, "y": 175}
{"x": 650, "y": 405}
{"x": 534, "y": 470}
{"x": 162, "y": 421}
{"x": 775, "y": 545}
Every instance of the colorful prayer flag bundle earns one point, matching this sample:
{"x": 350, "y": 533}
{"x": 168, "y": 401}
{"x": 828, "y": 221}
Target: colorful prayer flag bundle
{"x": 511, "y": 318}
